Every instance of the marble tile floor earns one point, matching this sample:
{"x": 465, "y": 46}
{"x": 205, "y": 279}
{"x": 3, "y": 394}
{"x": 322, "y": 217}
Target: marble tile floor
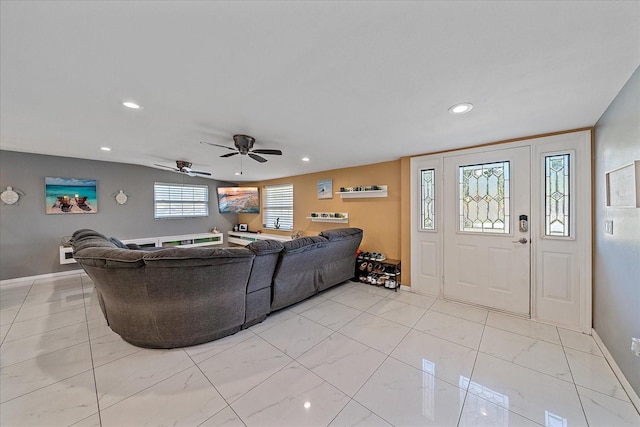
{"x": 352, "y": 356}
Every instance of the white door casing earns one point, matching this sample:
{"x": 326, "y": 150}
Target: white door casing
{"x": 561, "y": 272}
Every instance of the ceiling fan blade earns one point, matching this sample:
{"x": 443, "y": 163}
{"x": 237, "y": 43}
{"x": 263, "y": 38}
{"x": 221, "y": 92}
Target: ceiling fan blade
{"x": 230, "y": 154}
{"x": 267, "y": 151}
{"x": 168, "y": 167}
{"x": 201, "y": 173}
{"x": 217, "y": 145}
{"x": 257, "y": 158}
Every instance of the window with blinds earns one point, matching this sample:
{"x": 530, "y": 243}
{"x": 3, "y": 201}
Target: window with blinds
{"x": 180, "y": 200}
{"x": 277, "y": 207}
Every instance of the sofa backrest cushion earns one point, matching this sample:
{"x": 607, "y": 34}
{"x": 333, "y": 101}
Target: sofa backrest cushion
{"x": 302, "y": 244}
{"x": 191, "y": 257}
{"x": 340, "y": 263}
{"x": 108, "y": 257}
{"x": 264, "y": 264}
{"x": 298, "y": 274}
{"x": 263, "y": 247}
{"x": 341, "y": 234}
{"x": 91, "y": 242}
{"x": 86, "y": 232}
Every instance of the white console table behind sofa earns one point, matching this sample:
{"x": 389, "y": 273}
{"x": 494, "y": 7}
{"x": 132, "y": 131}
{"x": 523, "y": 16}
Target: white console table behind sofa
{"x": 242, "y": 238}
{"x": 183, "y": 241}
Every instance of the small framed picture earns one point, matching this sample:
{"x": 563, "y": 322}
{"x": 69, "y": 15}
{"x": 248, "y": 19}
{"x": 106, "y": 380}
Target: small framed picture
{"x": 242, "y": 227}
{"x": 325, "y": 189}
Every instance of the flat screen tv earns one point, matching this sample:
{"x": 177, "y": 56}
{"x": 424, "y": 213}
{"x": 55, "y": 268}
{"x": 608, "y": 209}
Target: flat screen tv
{"x": 238, "y": 200}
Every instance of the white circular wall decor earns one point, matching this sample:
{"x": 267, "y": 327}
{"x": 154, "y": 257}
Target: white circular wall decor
{"x": 9, "y": 196}
{"x": 121, "y": 197}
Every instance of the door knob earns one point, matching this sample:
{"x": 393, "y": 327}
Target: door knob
{"x": 523, "y": 241}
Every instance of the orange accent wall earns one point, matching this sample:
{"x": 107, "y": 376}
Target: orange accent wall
{"x": 378, "y": 217}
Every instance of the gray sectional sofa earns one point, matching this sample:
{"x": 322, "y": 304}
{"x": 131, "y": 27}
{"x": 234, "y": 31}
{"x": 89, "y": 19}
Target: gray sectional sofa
{"x": 176, "y": 297}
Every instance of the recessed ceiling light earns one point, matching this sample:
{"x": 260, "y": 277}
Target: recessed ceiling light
{"x": 238, "y": 173}
{"x": 132, "y": 105}
{"x": 105, "y": 148}
{"x": 462, "y": 108}
{"x": 305, "y": 159}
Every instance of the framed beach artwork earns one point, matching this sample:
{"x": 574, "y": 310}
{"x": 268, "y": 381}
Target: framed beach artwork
{"x": 70, "y": 195}
{"x": 325, "y": 189}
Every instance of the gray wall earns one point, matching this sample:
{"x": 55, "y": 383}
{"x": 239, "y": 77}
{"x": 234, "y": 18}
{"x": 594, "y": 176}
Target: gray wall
{"x": 29, "y": 239}
{"x": 616, "y": 259}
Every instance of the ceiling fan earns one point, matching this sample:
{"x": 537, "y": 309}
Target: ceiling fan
{"x": 185, "y": 168}
{"x": 244, "y": 146}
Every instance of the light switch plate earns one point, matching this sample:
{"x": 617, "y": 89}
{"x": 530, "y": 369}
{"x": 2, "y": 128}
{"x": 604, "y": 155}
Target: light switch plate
{"x": 608, "y": 226}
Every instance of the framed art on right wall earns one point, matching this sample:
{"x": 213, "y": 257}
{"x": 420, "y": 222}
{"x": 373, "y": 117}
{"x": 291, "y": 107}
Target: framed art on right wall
{"x": 623, "y": 186}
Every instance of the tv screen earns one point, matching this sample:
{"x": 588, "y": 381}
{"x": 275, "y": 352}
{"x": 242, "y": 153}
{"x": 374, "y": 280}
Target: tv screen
{"x": 238, "y": 200}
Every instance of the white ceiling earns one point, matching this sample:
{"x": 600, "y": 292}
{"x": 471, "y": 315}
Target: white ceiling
{"x": 345, "y": 83}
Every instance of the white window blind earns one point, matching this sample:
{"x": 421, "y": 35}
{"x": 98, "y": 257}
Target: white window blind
{"x": 278, "y": 206}
{"x": 180, "y": 200}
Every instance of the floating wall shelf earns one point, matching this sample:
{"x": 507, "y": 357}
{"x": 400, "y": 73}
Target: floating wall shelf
{"x": 356, "y": 194}
{"x": 341, "y": 217}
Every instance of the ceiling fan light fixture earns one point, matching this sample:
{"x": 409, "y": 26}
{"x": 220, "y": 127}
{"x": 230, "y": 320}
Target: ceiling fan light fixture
{"x": 461, "y": 108}
{"x": 132, "y": 105}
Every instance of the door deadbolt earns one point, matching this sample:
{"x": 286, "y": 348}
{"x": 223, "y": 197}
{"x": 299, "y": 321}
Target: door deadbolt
{"x": 523, "y": 224}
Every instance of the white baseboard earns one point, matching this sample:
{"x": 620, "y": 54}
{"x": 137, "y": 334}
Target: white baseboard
{"x": 635, "y": 400}
{"x": 9, "y": 282}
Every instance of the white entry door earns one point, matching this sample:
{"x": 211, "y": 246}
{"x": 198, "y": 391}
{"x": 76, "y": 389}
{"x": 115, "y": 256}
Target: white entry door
{"x": 487, "y": 253}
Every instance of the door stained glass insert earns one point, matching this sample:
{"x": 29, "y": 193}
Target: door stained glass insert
{"x": 556, "y": 195}
{"x": 427, "y": 199}
{"x": 484, "y": 198}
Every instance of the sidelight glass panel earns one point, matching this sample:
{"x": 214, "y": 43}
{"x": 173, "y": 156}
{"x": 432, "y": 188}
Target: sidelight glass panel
{"x": 427, "y": 199}
{"x": 556, "y": 195}
{"x": 484, "y": 198}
